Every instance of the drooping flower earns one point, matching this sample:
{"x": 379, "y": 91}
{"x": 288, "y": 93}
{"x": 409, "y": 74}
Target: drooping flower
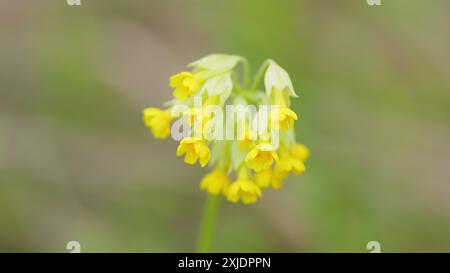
{"x": 284, "y": 118}
{"x": 216, "y": 182}
{"x": 158, "y": 121}
{"x": 261, "y": 157}
{"x": 300, "y": 151}
{"x": 263, "y": 178}
{"x": 195, "y": 149}
{"x": 288, "y": 164}
{"x": 244, "y": 189}
{"x": 292, "y": 160}
{"x": 270, "y": 177}
{"x": 279, "y": 89}
{"x": 278, "y": 84}
{"x": 277, "y": 179}
{"x": 185, "y": 84}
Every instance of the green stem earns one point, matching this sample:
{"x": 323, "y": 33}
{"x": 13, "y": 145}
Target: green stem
{"x": 259, "y": 75}
{"x": 246, "y": 71}
{"x": 208, "y": 222}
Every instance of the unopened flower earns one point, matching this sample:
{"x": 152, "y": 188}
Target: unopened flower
{"x": 277, "y": 81}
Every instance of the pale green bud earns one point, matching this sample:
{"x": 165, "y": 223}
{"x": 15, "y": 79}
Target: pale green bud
{"x": 219, "y": 86}
{"x": 276, "y": 78}
{"x": 217, "y": 62}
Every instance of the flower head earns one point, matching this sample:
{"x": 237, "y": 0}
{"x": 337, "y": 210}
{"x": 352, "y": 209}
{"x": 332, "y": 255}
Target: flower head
{"x": 195, "y": 149}
{"x": 158, "y": 121}
{"x": 261, "y": 157}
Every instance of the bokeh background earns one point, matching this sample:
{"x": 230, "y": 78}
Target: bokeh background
{"x": 76, "y": 162}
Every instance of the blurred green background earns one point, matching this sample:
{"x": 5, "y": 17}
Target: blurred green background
{"x": 76, "y": 162}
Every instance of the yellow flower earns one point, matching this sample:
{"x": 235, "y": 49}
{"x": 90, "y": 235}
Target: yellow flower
{"x": 158, "y": 121}
{"x": 263, "y": 178}
{"x": 261, "y": 157}
{"x": 285, "y": 118}
{"x": 292, "y": 161}
{"x": 244, "y": 189}
{"x": 300, "y": 151}
{"x": 185, "y": 84}
{"x": 290, "y": 164}
{"x": 216, "y": 182}
{"x": 270, "y": 177}
{"x": 195, "y": 149}
{"x": 277, "y": 180}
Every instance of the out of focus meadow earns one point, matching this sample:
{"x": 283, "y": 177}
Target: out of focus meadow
{"x": 76, "y": 162}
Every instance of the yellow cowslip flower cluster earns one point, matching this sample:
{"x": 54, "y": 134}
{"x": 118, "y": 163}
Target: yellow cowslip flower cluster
{"x": 257, "y": 157}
